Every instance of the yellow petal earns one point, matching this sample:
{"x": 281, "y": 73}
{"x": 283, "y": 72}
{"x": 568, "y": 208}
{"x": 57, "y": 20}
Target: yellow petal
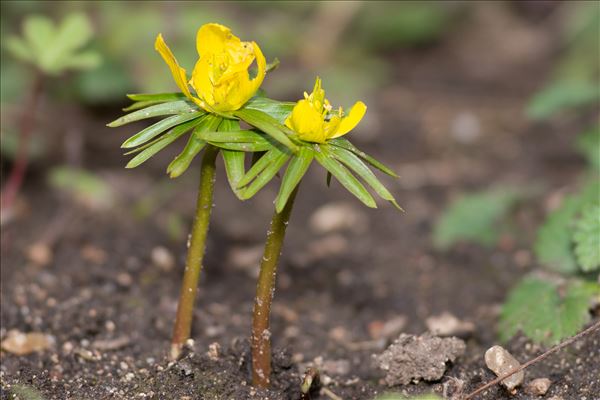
{"x": 177, "y": 72}
{"x": 351, "y": 120}
{"x": 213, "y": 38}
{"x": 261, "y": 64}
{"x": 306, "y": 122}
{"x": 201, "y": 80}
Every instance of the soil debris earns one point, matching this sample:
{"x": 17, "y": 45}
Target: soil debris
{"x": 40, "y": 254}
{"x": 412, "y": 358}
{"x": 538, "y": 387}
{"x": 338, "y": 217}
{"x": 500, "y": 361}
{"x": 447, "y": 324}
{"x": 162, "y": 258}
{"x": 21, "y": 344}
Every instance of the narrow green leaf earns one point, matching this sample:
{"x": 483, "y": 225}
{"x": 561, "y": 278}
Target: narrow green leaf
{"x": 267, "y": 124}
{"x": 273, "y": 65}
{"x": 349, "y": 181}
{"x": 345, "y": 144}
{"x": 194, "y": 145}
{"x": 328, "y": 179}
{"x": 164, "y": 141}
{"x": 235, "y": 137}
{"x": 171, "y": 108}
{"x": 234, "y": 167}
{"x": 355, "y": 164}
{"x": 260, "y": 164}
{"x": 182, "y": 162}
{"x": 158, "y": 97}
{"x": 233, "y": 160}
{"x": 154, "y": 130}
{"x": 293, "y": 175}
{"x": 140, "y": 104}
{"x": 276, "y": 109}
{"x": 245, "y": 147}
{"x": 265, "y": 176}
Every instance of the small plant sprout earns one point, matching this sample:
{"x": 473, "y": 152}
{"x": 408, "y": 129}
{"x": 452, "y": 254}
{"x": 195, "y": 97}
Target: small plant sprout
{"x": 220, "y": 93}
{"x": 317, "y": 129}
{"x": 51, "y": 49}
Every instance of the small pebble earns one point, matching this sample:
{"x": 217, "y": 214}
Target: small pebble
{"x": 538, "y": 387}
{"x": 162, "y": 258}
{"x": 447, "y": 324}
{"x": 501, "y": 362}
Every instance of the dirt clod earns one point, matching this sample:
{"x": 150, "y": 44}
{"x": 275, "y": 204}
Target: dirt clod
{"x": 501, "y": 362}
{"x": 412, "y": 358}
{"x": 21, "y": 344}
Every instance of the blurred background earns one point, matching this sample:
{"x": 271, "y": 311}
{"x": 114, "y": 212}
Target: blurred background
{"x": 495, "y": 102}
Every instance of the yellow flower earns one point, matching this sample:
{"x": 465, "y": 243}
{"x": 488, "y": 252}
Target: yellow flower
{"x": 220, "y": 78}
{"x": 313, "y": 120}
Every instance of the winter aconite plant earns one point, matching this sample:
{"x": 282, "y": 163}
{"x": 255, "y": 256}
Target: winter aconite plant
{"x": 317, "y": 129}
{"x": 222, "y": 91}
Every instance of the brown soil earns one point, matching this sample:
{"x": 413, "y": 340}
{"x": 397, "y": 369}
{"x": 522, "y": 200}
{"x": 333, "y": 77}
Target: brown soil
{"x": 110, "y": 307}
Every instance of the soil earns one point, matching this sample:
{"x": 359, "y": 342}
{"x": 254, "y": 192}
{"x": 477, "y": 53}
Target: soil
{"x": 109, "y": 303}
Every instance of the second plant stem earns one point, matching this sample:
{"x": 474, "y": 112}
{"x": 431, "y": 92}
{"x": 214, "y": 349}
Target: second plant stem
{"x": 195, "y": 255}
{"x": 261, "y": 335}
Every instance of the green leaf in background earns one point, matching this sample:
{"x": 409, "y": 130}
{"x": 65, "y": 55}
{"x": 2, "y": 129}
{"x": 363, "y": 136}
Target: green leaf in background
{"x": 547, "y": 312}
{"x": 55, "y": 48}
{"x": 562, "y": 95}
{"x": 588, "y": 143}
{"x": 407, "y": 23}
{"x": 553, "y": 245}
{"x": 474, "y": 218}
{"x": 553, "y": 242}
{"x": 25, "y": 392}
{"x": 586, "y": 236}
{"x": 85, "y": 186}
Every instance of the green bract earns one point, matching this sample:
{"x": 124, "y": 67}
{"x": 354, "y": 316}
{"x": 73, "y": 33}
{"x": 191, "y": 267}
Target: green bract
{"x": 181, "y": 116}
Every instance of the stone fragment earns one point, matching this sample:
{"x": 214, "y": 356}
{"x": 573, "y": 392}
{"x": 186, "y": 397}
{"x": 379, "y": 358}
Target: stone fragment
{"x": 40, "y": 254}
{"x": 538, "y": 387}
{"x": 412, "y": 358}
{"x": 500, "y": 361}
{"x": 162, "y": 258}
{"x": 447, "y": 324}
{"x": 337, "y": 217}
{"x": 388, "y": 329}
{"x": 21, "y": 344}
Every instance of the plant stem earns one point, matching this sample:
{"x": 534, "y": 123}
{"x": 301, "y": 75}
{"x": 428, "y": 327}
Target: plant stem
{"x": 197, "y": 245}
{"x": 261, "y": 335}
{"x": 27, "y": 123}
